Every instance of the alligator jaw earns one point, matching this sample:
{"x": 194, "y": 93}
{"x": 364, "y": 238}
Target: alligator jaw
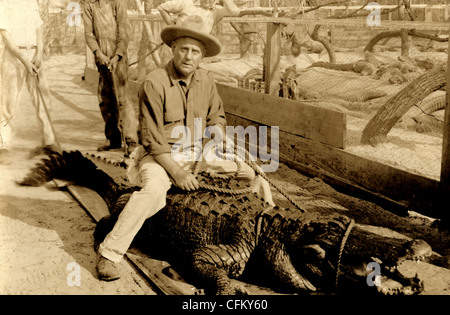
{"x": 393, "y": 282}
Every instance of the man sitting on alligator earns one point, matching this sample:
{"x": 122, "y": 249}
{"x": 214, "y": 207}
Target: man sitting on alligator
{"x": 172, "y": 99}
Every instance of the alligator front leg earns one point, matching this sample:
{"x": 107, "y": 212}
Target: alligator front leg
{"x": 284, "y": 271}
{"x": 216, "y": 264}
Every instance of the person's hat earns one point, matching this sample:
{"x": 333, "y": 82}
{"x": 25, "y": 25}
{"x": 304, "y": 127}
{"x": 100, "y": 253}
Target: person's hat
{"x": 194, "y": 27}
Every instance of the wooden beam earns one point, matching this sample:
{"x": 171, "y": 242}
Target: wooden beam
{"x": 316, "y": 123}
{"x": 272, "y": 57}
{"x": 357, "y": 23}
{"x": 91, "y": 201}
{"x": 154, "y": 271}
{"x": 445, "y": 162}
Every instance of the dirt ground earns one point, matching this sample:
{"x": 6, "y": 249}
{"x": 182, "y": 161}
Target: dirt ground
{"x": 46, "y": 237}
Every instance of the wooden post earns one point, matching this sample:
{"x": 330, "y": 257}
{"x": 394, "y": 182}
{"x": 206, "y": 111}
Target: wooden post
{"x": 272, "y": 54}
{"x": 445, "y": 164}
{"x": 404, "y": 33}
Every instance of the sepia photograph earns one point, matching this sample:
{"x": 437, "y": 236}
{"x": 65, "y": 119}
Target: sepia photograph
{"x": 270, "y": 149}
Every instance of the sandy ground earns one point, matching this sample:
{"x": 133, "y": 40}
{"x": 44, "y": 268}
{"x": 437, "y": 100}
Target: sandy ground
{"x": 46, "y": 237}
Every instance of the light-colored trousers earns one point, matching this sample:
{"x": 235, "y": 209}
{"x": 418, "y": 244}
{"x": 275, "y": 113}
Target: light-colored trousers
{"x": 151, "y": 198}
{"x": 14, "y": 76}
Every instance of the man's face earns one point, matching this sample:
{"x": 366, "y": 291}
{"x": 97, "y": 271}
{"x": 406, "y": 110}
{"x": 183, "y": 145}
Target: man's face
{"x": 207, "y": 4}
{"x": 187, "y": 54}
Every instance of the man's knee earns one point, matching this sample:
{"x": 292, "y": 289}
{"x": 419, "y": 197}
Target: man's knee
{"x": 247, "y": 172}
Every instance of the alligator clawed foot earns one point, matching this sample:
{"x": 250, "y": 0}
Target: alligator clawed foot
{"x": 234, "y": 287}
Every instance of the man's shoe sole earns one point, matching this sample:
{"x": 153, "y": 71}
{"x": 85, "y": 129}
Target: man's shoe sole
{"x": 108, "y": 279}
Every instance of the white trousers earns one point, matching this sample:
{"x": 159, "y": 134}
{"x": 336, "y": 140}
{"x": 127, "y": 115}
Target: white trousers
{"x": 14, "y": 76}
{"x": 152, "y": 197}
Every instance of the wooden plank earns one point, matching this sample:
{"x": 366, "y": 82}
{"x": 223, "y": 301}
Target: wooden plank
{"x": 445, "y": 170}
{"x": 445, "y": 161}
{"x": 155, "y": 272}
{"x": 94, "y": 205}
{"x": 356, "y": 23}
{"x": 315, "y": 123}
{"x": 272, "y": 57}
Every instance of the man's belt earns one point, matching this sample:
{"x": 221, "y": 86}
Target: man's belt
{"x": 28, "y": 47}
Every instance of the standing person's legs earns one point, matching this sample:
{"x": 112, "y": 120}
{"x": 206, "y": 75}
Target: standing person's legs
{"x": 142, "y": 205}
{"x": 40, "y": 94}
{"x": 13, "y": 78}
{"x": 108, "y": 109}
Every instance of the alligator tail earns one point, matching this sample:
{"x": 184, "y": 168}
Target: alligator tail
{"x": 55, "y": 166}
{"x": 81, "y": 170}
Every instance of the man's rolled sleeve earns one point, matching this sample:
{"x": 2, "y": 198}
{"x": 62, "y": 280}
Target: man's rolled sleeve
{"x": 151, "y": 119}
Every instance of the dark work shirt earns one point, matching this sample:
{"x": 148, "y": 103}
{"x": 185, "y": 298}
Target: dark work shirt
{"x": 106, "y": 27}
{"x": 164, "y": 104}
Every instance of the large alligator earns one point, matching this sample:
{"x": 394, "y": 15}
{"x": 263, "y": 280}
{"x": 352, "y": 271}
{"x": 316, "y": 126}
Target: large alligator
{"x": 212, "y": 237}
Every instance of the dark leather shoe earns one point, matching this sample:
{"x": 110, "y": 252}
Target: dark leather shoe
{"x": 51, "y": 149}
{"x": 107, "y": 270}
{"x": 109, "y": 147}
{"x": 130, "y": 148}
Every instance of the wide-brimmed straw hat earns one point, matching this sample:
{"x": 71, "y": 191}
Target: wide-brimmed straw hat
{"x": 194, "y": 27}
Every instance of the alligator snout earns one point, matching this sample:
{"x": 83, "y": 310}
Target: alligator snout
{"x": 391, "y": 281}
{"x": 416, "y": 249}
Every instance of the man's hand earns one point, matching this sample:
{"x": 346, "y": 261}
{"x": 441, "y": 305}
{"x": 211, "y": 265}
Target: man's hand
{"x": 113, "y": 63}
{"x": 185, "y": 180}
{"x": 31, "y": 68}
{"x": 181, "y": 178}
{"x": 37, "y": 60}
{"x": 102, "y": 59}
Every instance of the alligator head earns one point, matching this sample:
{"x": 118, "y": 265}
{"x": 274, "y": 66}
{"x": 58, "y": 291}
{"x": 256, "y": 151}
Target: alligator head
{"x": 376, "y": 260}
{"x": 349, "y": 258}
